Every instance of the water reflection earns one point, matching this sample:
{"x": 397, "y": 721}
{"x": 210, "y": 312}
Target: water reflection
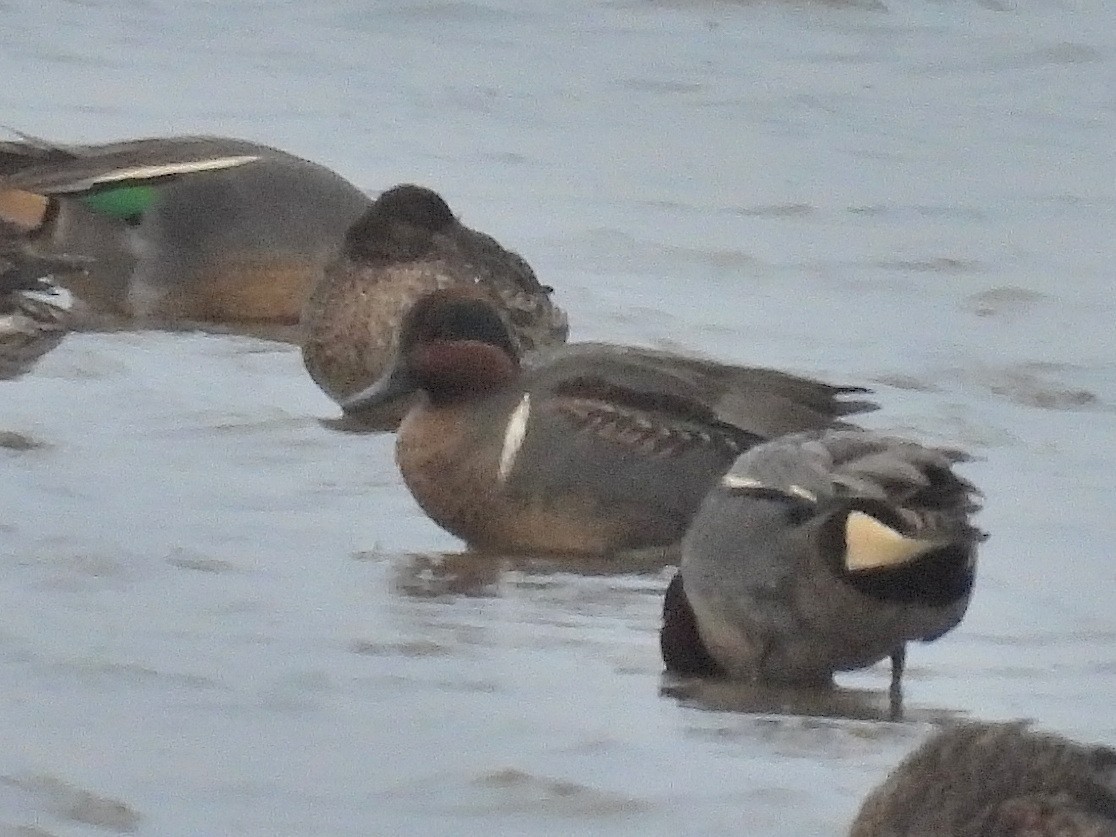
{"x": 835, "y": 702}
{"x": 853, "y": 704}
{"x": 572, "y": 586}
{"x": 440, "y": 574}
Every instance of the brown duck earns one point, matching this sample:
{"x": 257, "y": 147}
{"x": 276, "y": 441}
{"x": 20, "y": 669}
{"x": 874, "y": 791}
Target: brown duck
{"x": 583, "y": 449}
{"x": 183, "y": 229}
{"x": 405, "y": 246}
{"x": 995, "y": 780}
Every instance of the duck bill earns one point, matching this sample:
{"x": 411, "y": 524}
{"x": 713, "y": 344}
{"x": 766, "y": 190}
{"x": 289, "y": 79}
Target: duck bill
{"x": 396, "y": 382}
{"x": 873, "y": 545}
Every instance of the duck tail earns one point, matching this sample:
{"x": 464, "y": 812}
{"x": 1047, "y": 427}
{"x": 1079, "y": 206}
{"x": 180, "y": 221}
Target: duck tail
{"x": 843, "y": 404}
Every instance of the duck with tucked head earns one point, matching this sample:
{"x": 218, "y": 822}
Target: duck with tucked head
{"x": 995, "y": 780}
{"x": 819, "y": 552}
{"x": 408, "y": 244}
{"x": 33, "y": 315}
{"x": 183, "y": 229}
{"x": 584, "y": 449}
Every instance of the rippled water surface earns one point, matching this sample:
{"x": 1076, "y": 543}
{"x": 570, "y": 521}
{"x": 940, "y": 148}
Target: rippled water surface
{"x": 218, "y": 616}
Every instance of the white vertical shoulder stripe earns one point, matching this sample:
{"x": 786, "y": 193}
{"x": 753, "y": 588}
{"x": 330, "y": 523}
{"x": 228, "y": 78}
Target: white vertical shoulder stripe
{"x": 513, "y": 437}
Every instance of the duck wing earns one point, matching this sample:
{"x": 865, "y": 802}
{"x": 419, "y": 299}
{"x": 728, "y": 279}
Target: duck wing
{"x": 743, "y": 401}
{"x": 912, "y": 485}
{"x": 46, "y": 168}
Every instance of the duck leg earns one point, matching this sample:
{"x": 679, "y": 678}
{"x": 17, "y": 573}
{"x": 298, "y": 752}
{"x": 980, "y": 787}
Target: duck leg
{"x": 895, "y": 691}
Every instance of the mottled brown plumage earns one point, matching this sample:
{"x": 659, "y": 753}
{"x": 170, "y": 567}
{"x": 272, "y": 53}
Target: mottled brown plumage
{"x": 405, "y": 246}
{"x": 33, "y": 319}
{"x": 995, "y": 780}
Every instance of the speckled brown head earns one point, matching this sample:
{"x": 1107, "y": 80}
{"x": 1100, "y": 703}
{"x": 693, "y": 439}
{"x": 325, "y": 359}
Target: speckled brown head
{"x": 453, "y": 344}
{"x": 399, "y": 226}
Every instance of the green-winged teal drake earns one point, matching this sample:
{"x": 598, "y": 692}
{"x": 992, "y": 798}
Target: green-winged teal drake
{"x": 406, "y": 245}
{"x": 182, "y": 229}
{"x": 820, "y": 552}
{"x": 34, "y": 315}
{"x": 581, "y": 449}
{"x": 995, "y": 780}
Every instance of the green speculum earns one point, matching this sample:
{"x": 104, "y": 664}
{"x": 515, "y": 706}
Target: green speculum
{"x": 125, "y": 202}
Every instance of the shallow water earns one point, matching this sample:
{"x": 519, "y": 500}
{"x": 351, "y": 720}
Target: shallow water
{"x": 221, "y": 617}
